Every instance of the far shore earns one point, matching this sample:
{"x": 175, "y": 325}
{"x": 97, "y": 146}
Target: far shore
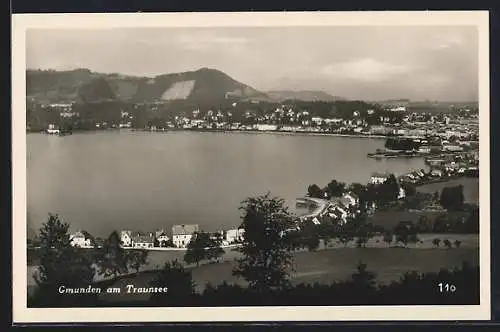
{"x": 278, "y": 132}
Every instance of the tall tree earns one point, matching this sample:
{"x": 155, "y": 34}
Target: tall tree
{"x": 112, "y": 259}
{"x": 335, "y": 188}
{"x": 60, "y": 265}
{"x": 315, "y": 191}
{"x": 266, "y": 253}
{"x": 202, "y": 247}
{"x": 452, "y": 198}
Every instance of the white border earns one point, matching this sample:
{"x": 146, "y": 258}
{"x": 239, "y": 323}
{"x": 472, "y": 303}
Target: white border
{"x": 21, "y": 22}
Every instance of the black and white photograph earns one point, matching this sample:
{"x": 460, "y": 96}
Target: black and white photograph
{"x": 273, "y": 166}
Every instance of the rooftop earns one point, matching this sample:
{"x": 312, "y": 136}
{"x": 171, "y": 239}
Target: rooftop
{"x": 184, "y": 229}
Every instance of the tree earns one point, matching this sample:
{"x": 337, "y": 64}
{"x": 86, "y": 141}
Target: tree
{"x": 447, "y": 243}
{"x": 54, "y": 233}
{"x": 388, "y": 237}
{"x": 457, "y": 243}
{"x": 266, "y": 252}
{"x": 335, "y": 188}
{"x": 346, "y": 232}
{"x": 312, "y": 242}
{"x": 423, "y": 224}
{"x": 315, "y": 191}
{"x": 389, "y": 190}
{"x": 111, "y": 258}
{"x": 357, "y": 188}
{"x": 202, "y": 246}
{"x": 452, "y": 198}
{"x": 363, "y": 279}
{"x": 60, "y": 264}
{"x": 215, "y": 251}
{"x": 179, "y": 283}
{"x": 405, "y": 233}
{"x": 363, "y": 231}
{"x": 436, "y": 242}
{"x": 137, "y": 258}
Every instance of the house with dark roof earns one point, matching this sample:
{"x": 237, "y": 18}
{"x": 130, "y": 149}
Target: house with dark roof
{"x": 143, "y": 241}
{"x": 182, "y": 234}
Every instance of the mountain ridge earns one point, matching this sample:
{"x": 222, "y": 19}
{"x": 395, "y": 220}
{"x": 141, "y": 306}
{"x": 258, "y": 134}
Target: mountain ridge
{"x": 203, "y": 85}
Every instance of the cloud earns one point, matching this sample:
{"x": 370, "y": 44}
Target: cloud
{"x": 365, "y": 69}
{"x": 447, "y": 42}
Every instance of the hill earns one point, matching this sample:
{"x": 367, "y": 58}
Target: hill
{"x": 304, "y": 95}
{"x": 201, "y": 86}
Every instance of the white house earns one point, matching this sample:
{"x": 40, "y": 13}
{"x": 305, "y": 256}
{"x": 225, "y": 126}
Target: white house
{"x": 182, "y": 234}
{"x": 162, "y": 237}
{"x": 126, "y": 238}
{"x": 52, "y": 129}
{"x": 436, "y": 172}
{"x": 81, "y": 239}
{"x": 378, "y": 178}
{"x": 351, "y": 198}
{"x": 234, "y": 235}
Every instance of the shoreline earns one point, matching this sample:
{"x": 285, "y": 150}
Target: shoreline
{"x": 277, "y": 132}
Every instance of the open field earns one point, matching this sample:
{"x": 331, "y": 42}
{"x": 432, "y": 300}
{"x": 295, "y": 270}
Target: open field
{"x": 471, "y": 188}
{"x": 326, "y": 266}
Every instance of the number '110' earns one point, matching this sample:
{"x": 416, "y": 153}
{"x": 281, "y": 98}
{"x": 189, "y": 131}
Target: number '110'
{"x": 447, "y": 288}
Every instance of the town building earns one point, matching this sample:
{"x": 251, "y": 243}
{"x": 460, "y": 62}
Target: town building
{"x": 161, "y": 238}
{"x": 81, "y": 239}
{"x": 143, "y": 241}
{"x": 378, "y": 178}
{"x": 53, "y": 129}
{"x": 235, "y": 235}
{"x": 182, "y": 234}
{"x": 126, "y": 238}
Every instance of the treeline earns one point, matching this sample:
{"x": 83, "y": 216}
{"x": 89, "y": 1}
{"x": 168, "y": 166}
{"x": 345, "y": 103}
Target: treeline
{"x": 264, "y": 265}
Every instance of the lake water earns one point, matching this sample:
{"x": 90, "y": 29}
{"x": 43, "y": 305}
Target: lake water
{"x": 105, "y": 181}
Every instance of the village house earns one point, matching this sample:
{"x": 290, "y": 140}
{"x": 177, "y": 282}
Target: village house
{"x": 437, "y": 173}
{"x": 351, "y": 199}
{"x": 143, "y": 241}
{"x": 234, "y": 235}
{"x": 161, "y": 238}
{"x": 378, "y": 178}
{"x": 126, "y": 238}
{"x": 182, "y": 234}
{"x": 81, "y": 239}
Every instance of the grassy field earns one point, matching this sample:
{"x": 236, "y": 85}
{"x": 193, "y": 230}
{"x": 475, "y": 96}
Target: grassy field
{"x": 471, "y": 188}
{"x": 325, "y": 266}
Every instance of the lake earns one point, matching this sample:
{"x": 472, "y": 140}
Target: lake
{"x": 113, "y": 180}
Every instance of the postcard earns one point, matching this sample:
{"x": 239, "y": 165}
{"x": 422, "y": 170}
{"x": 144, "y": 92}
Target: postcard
{"x": 244, "y": 166}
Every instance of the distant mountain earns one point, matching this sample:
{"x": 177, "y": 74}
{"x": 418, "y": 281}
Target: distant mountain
{"x": 202, "y": 86}
{"x": 304, "y": 95}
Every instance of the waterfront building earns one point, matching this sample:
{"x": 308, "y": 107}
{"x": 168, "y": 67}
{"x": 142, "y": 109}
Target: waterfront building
{"x": 378, "y": 178}
{"x": 182, "y": 234}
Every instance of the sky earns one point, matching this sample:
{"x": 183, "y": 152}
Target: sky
{"x": 357, "y": 62}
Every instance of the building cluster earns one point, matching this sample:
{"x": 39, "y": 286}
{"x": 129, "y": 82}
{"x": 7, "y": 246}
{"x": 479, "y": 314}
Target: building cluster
{"x": 180, "y": 237}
